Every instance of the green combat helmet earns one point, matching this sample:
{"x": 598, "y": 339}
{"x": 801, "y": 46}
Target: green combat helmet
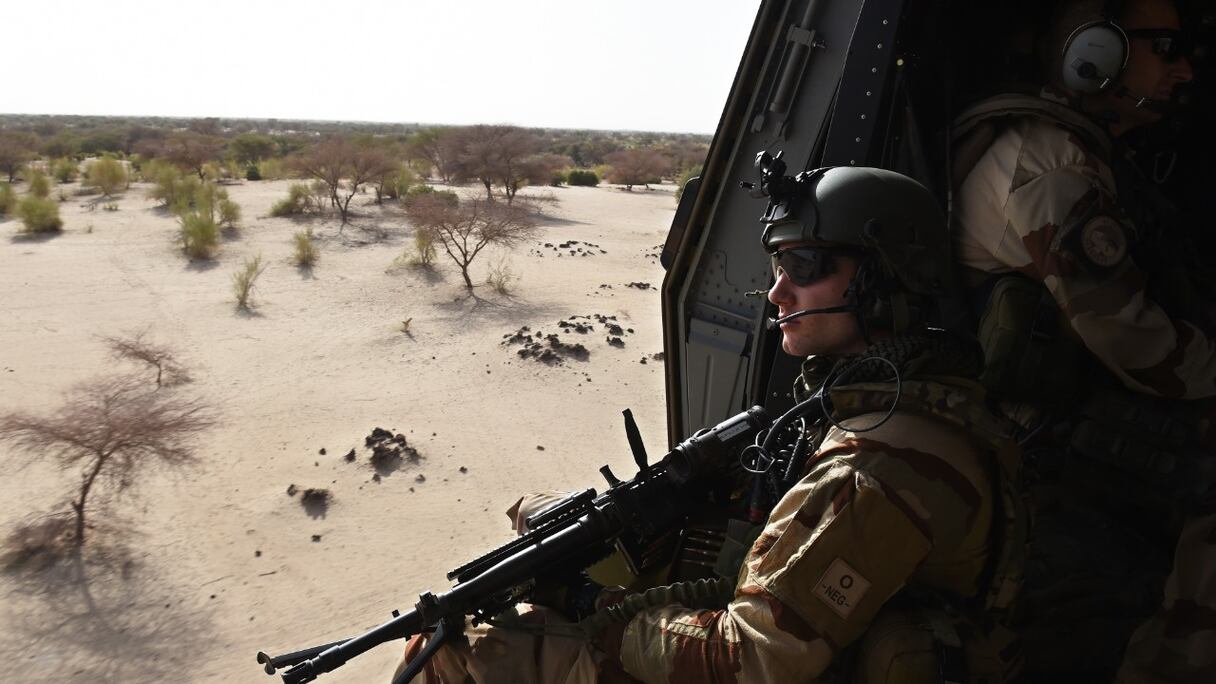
{"x": 906, "y": 279}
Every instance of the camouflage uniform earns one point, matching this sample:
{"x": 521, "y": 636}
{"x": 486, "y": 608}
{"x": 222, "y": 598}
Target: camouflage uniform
{"x": 1041, "y": 201}
{"x": 906, "y": 507}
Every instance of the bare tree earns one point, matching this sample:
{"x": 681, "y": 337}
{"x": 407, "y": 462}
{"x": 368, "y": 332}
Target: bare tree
{"x": 191, "y": 151}
{"x": 636, "y": 166}
{"x": 112, "y": 429}
{"x": 519, "y": 161}
{"x": 15, "y": 150}
{"x": 438, "y": 148}
{"x": 539, "y": 169}
{"x": 508, "y": 156}
{"x": 466, "y": 228}
{"x": 344, "y": 166}
{"x": 160, "y": 358}
{"x": 481, "y": 154}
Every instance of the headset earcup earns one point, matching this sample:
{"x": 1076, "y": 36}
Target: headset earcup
{"x": 1094, "y": 55}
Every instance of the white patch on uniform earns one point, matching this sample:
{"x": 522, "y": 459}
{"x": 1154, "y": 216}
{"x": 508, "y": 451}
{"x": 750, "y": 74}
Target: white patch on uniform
{"x": 841, "y": 588}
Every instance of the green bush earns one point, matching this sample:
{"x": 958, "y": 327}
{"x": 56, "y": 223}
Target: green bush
{"x": 297, "y": 201}
{"x": 65, "y": 170}
{"x": 40, "y": 185}
{"x": 200, "y": 235}
{"x": 306, "y": 250}
{"x": 170, "y": 186}
{"x": 424, "y": 248}
{"x": 107, "y": 175}
{"x": 583, "y": 177}
{"x": 244, "y": 279}
{"x": 39, "y": 215}
{"x": 230, "y": 213}
{"x": 8, "y": 199}
{"x": 422, "y": 189}
{"x": 208, "y": 199}
{"x": 273, "y": 169}
{"x": 252, "y": 173}
{"x": 559, "y": 178}
{"x": 399, "y": 183}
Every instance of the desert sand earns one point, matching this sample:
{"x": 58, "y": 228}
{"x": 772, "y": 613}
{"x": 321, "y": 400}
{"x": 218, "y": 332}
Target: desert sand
{"x": 194, "y": 570}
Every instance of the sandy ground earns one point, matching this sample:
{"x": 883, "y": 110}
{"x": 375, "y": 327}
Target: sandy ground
{"x": 194, "y": 570}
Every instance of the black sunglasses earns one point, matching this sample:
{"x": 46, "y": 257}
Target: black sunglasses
{"x": 1169, "y": 43}
{"x": 804, "y": 265}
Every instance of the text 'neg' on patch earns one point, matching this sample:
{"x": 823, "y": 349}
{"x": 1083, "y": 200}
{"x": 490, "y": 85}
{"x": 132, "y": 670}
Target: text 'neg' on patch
{"x": 841, "y": 588}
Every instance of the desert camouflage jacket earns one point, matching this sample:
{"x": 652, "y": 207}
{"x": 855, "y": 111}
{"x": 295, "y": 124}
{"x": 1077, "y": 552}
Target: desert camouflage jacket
{"x": 908, "y": 503}
{"x": 1042, "y": 201}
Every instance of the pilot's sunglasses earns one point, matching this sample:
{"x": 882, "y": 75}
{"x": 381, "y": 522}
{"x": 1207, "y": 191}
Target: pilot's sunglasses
{"x": 1168, "y": 43}
{"x": 804, "y": 265}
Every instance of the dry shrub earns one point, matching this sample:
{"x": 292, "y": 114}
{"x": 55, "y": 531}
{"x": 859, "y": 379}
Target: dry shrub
{"x": 65, "y": 170}
{"x": 501, "y": 277}
{"x": 39, "y": 215}
{"x": 169, "y": 186}
{"x": 107, "y": 175}
{"x": 244, "y": 279}
{"x": 160, "y": 358}
{"x": 298, "y": 201}
{"x": 424, "y": 249}
{"x": 273, "y": 169}
{"x": 40, "y": 185}
{"x": 8, "y": 199}
{"x": 230, "y": 212}
{"x": 306, "y": 253}
{"x": 200, "y": 235}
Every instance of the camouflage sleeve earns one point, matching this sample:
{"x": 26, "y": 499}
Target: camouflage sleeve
{"x": 837, "y": 546}
{"x": 1065, "y": 230}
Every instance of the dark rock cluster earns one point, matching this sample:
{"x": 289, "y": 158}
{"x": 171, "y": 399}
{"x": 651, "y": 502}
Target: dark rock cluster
{"x": 571, "y": 248}
{"x": 551, "y": 350}
{"x": 389, "y": 450}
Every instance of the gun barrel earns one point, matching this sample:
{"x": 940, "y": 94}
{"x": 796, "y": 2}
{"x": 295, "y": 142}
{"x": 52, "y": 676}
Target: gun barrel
{"x": 271, "y": 663}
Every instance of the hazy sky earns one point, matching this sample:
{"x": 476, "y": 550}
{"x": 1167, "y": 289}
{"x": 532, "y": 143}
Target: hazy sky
{"x": 663, "y": 65}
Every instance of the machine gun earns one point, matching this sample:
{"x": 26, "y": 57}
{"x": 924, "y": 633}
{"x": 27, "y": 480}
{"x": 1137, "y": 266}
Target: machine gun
{"x": 631, "y": 516}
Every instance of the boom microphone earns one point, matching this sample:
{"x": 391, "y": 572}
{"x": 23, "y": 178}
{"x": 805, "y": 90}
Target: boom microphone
{"x": 774, "y": 323}
{"x": 1179, "y": 98}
